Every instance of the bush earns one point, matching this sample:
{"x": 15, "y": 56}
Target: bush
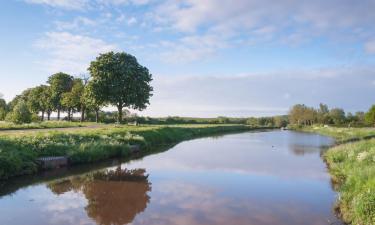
{"x": 20, "y": 114}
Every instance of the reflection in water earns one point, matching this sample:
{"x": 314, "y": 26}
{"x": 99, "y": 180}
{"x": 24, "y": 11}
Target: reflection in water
{"x": 264, "y": 178}
{"x": 114, "y": 197}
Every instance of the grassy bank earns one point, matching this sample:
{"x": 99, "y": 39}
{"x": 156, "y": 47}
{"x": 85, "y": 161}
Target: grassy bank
{"x": 342, "y": 135}
{"x": 18, "y": 152}
{"x": 40, "y": 125}
{"x": 352, "y": 167}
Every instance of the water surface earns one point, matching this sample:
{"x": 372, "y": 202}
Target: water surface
{"x": 265, "y": 178}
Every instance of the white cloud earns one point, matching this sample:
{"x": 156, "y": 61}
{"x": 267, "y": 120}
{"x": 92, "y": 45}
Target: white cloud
{"x": 66, "y": 4}
{"x": 132, "y": 21}
{"x": 70, "y": 53}
{"x": 77, "y": 23}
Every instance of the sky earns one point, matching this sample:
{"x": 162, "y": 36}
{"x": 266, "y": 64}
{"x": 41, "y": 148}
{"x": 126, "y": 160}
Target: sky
{"x": 208, "y": 57}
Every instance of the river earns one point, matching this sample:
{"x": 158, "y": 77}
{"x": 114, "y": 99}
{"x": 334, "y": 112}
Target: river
{"x": 252, "y": 178}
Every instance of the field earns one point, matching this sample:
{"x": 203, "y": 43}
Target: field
{"x": 19, "y": 150}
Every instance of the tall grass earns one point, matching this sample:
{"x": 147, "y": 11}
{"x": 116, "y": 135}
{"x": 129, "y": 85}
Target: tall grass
{"x": 18, "y": 152}
{"x": 39, "y": 125}
{"x": 352, "y": 167}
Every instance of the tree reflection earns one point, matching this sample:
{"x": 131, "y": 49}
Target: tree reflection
{"x": 114, "y": 197}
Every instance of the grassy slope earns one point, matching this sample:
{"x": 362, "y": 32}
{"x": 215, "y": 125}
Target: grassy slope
{"x": 19, "y": 151}
{"x": 352, "y": 166}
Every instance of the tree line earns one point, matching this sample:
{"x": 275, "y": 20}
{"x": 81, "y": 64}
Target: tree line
{"x": 301, "y": 114}
{"x": 115, "y": 79}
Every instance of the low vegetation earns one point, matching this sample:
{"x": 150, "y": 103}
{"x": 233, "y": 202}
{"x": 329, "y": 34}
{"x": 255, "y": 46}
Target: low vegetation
{"x": 352, "y": 167}
{"x": 18, "y": 152}
{"x": 40, "y": 125}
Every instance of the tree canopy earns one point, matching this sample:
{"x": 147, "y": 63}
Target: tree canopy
{"x": 121, "y": 81}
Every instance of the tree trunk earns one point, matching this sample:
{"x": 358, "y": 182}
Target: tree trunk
{"x": 97, "y": 115}
{"x": 48, "y": 115}
{"x": 69, "y": 118}
{"x": 42, "y": 115}
{"x": 119, "y": 116}
{"x": 58, "y": 114}
{"x": 82, "y": 113}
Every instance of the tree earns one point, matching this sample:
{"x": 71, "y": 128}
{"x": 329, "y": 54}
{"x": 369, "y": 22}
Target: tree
{"x": 3, "y": 109}
{"x": 60, "y": 83}
{"x": 20, "y": 113}
{"x": 72, "y": 100}
{"x": 337, "y": 115}
{"x": 92, "y": 99}
{"x": 302, "y": 115}
{"x": 323, "y": 114}
{"x": 121, "y": 81}
{"x": 370, "y": 115}
{"x": 36, "y": 100}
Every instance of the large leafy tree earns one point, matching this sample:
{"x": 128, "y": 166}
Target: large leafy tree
{"x": 60, "y": 83}
{"x": 3, "y": 108}
{"x": 121, "y": 81}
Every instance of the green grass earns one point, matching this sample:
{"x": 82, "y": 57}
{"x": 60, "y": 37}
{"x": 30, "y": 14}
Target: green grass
{"x": 18, "y": 151}
{"x": 40, "y": 125}
{"x": 352, "y": 167}
{"x": 342, "y": 135}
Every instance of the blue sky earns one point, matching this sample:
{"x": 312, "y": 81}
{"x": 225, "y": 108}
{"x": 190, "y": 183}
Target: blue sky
{"x": 207, "y": 57}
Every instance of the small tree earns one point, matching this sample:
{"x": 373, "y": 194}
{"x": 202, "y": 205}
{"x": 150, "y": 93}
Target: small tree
{"x": 92, "y": 99}
{"x": 121, "y": 81}
{"x": 20, "y": 113}
{"x": 72, "y": 100}
{"x": 60, "y": 83}
{"x": 370, "y": 116}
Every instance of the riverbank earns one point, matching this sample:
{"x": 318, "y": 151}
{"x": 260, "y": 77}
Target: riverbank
{"x": 19, "y": 151}
{"x": 351, "y": 164}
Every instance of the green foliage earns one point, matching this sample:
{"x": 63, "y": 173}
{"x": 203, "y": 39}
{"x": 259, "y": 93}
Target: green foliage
{"x": 118, "y": 79}
{"x": 60, "y": 83}
{"x": 370, "y": 115}
{"x": 20, "y": 113}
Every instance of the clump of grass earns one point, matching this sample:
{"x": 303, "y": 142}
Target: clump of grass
{"x": 18, "y": 152}
{"x": 352, "y": 167}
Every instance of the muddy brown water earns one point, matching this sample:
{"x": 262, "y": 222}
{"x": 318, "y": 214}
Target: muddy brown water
{"x": 253, "y": 178}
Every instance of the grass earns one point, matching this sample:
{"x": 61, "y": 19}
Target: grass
{"x": 351, "y": 164}
{"x": 19, "y": 151}
{"x": 352, "y": 167}
{"x": 343, "y": 135}
{"x": 39, "y": 125}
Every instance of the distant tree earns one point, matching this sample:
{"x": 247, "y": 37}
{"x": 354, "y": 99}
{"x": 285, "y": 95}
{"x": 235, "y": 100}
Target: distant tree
{"x": 36, "y": 100}
{"x": 122, "y": 81}
{"x": 73, "y": 99}
{"x": 323, "y": 114}
{"x": 280, "y": 121}
{"x": 93, "y": 99}
{"x": 20, "y": 113}
{"x": 370, "y": 116}
{"x": 338, "y": 116}
{"x": 3, "y": 109}
{"x": 302, "y": 115}
{"x": 60, "y": 83}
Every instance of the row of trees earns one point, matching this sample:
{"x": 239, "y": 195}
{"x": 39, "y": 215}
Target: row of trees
{"x": 303, "y": 115}
{"x": 116, "y": 79}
